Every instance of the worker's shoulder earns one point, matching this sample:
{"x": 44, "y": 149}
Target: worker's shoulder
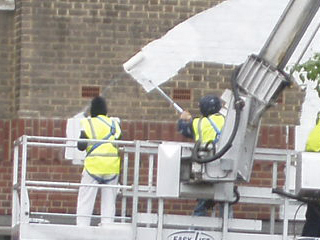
{"x": 218, "y": 116}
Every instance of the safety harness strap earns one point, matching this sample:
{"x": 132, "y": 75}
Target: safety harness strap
{"x": 111, "y": 133}
{"x": 216, "y": 129}
{"x": 101, "y": 180}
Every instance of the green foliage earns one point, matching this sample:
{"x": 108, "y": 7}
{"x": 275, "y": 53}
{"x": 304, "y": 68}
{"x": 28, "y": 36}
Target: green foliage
{"x": 310, "y": 70}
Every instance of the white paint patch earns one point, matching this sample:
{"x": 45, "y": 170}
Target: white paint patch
{"x": 226, "y": 33}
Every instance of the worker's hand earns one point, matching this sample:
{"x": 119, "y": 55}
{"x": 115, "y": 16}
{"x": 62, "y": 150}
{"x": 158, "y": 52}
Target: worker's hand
{"x": 185, "y": 115}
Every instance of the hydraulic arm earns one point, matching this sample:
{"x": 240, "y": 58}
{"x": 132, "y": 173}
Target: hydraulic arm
{"x": 257, "y": 85}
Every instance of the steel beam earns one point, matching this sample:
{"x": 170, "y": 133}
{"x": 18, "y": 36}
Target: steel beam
{"x": 288, "y": 32}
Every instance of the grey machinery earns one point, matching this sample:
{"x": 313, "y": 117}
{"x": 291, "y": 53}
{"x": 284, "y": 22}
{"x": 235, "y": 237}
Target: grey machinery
{"x": 256, "y": 85}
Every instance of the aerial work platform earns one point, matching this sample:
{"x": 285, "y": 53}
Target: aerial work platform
{"x": 153, "y": 222}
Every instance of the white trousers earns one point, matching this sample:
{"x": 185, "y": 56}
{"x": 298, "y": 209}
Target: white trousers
{"x": 87, "y": 197}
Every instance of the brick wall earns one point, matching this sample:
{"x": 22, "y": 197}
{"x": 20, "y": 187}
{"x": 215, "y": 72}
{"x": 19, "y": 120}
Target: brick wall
{"x": 64, "y": 47}
{"x": 6, "y": 63}
{"x": 70, "y": 45}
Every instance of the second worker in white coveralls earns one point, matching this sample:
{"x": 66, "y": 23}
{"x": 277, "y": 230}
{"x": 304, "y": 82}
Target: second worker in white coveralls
{"x": 101, "y": 165}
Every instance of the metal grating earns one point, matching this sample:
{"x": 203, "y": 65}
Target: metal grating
{"x": 181, "y": 94}
{"x": 90, "y": 91}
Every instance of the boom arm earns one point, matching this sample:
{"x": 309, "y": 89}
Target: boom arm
{"x": 259, "y": 82}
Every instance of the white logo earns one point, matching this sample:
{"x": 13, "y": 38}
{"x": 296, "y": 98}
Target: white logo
{"x": 189, "y": 235}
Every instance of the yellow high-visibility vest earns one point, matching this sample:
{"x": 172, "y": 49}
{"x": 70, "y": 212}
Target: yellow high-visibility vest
{"x": 313, "y": 142}
{"x": 208, "y": 128}
{"x": 102, "y": 158}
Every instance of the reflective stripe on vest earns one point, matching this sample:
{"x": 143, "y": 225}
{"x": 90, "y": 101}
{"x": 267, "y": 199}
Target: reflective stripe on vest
{"x": 101, "y": 180}
{"x": 216, "y": 129}
{"x": 208, "y": 128}
{"x": 102, "y": 158}
{"x": 112, "y": 132}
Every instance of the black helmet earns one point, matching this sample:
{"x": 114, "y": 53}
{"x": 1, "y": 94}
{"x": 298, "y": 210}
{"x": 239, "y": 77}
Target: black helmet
{"x": 209, "y": 104}
{"x": 98, "y": 107}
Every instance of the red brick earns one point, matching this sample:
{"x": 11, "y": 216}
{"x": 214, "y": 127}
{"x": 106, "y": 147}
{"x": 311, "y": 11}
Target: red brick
{"x": 50, "y": 127}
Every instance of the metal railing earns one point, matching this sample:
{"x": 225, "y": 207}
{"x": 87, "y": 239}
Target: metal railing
{"x": 133, "y": 189}
{"x": 22, "y": 185}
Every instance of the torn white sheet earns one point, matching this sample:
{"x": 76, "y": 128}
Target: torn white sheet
{"x": 226, "y": 33}
{"x": 73, "y": 132}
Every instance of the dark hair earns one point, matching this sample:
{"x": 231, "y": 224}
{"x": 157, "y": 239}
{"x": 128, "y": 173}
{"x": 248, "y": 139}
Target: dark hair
{"x": 209, "y": 104}
{"x": 98, "y": 107}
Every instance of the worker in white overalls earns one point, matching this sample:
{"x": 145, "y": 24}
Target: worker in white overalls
{"x": 101, "y": 165}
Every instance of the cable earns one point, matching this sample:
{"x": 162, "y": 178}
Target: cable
{"x": 238, "y": 104}
{"x": 289, "y": 195}
{"x": 294, "y": 220}
{"x": 237, "y": 194}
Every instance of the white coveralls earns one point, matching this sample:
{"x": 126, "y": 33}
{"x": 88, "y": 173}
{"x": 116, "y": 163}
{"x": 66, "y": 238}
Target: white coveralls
{"x": 102, "y": 165}
{"x": 87, "y": 196}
